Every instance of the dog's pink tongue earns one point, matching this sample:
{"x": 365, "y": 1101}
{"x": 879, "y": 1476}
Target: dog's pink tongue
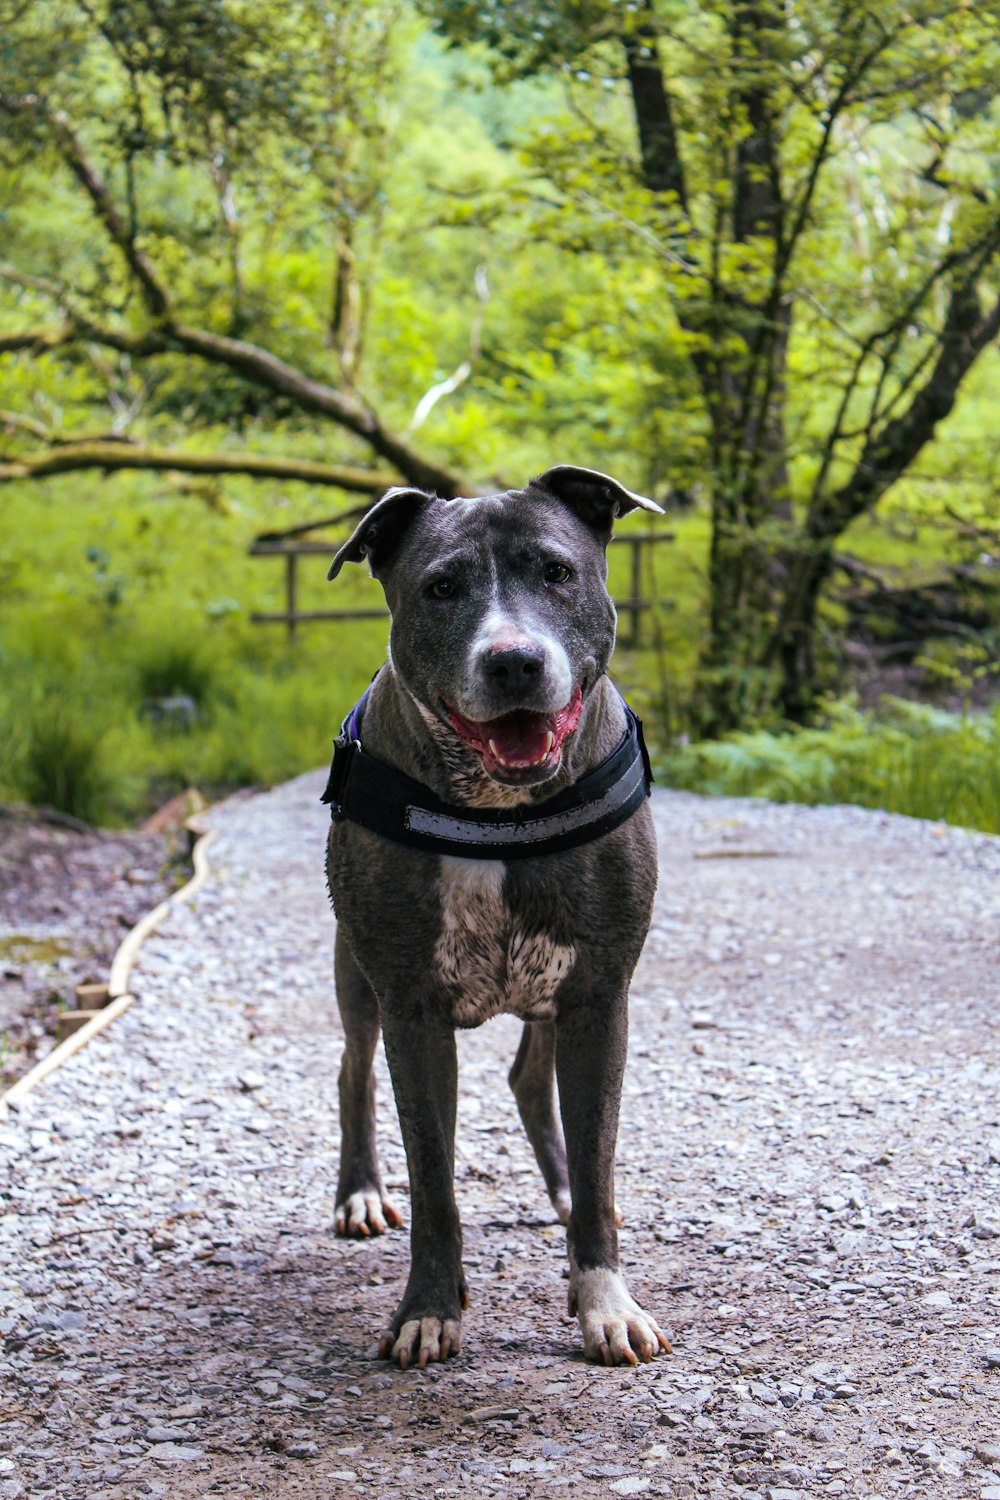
{"x": 519, "y": 739}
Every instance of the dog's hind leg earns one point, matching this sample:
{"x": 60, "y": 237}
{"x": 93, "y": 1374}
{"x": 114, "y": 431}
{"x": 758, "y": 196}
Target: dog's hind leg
{"x": 532, "y": 1079}
{"x": 362, "y": 1206}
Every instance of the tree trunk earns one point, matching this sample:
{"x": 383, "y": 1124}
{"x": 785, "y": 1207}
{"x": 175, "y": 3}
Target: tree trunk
{"x": 735, "y": 682}
{"x": 791, "y": 652}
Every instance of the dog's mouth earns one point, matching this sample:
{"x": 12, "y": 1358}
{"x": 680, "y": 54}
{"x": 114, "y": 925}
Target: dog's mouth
{"x": 517, "y": 746}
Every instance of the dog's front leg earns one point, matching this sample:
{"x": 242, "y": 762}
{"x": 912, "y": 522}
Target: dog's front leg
{"x": 591, "y": 1042}
{"x": 420, "y": 1047}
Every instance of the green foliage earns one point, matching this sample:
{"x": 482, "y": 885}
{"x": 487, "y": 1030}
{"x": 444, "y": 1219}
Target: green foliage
{"x": 905, "y": 758}
{"x": 167, "y": 668}
{"x": 266, "y": 709}
{"x": 809, "y": 196}
{"x": 76, "y": 673}
{"x": 63, "y": 761}
{"x": 336, "y": 184}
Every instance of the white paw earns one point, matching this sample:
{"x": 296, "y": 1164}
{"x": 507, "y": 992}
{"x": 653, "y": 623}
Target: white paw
{"x": 616, "y": 1331}
{"x": 364, "y": 1214}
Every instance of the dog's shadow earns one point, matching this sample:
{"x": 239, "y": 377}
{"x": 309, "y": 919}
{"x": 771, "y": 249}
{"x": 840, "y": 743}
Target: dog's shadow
{"x": 282, "y": 1335}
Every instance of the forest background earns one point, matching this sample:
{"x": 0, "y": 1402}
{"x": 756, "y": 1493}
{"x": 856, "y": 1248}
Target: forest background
{"x": 259, "y": 261}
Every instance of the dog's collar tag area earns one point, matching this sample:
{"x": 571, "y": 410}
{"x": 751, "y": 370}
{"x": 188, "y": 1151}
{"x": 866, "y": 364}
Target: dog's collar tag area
{"x": 365, "y": 790}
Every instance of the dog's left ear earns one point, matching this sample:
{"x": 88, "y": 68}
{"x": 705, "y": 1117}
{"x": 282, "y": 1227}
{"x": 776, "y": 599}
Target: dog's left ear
{"x": 379, "y": 532}
{"x": 596, "y": 498}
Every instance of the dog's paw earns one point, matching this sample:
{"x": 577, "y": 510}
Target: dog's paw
{"x": 360, "y": 1215}
{"x": 422, "y": 1341}
{"x": 616, "y": 1330}
{"x": 563, "y": 1206}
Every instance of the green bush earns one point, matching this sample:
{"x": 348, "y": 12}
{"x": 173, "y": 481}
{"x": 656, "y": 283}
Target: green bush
{"x": 167, "y": 668}
{"x": 905, "y": 758}
{"x": 63, "y": 761}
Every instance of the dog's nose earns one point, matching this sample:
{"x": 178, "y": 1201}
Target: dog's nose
{"x": 512, "y": 666}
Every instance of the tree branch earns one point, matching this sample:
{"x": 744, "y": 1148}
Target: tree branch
{"x": 255, "y": 364}
{"x": 261, "y": 368}
{"x": 13, "y": 420}
{"x": 36, "y": 340}
{"x": 758, "y": 194}
{"x": 772, "y": 330}
{"x": 890, "y": 451}
{"x": 109, "y": 455}
{"x": 446, "y": 387}
{"x": 73, "y": 154}
{"x": 266, "y": 369}
{"x": 893, "y": 332}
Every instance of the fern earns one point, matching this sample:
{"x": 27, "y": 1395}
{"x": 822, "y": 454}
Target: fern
{"x": 904, "y": 758}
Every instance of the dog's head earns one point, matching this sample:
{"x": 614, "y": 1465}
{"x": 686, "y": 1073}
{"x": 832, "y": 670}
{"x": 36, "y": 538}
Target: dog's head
{"x": 501, "y": 620}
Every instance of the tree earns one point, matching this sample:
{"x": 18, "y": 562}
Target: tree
{"x": 155, "y": 117}
{"x": 793, "y": 206}
{"x": 815, "y": 185}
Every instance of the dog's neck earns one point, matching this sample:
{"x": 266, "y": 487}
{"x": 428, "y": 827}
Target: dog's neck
{"x": 408, "y": 735}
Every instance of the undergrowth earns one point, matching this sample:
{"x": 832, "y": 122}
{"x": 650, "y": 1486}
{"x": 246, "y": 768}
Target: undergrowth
{"x": 903, "y": 757}
{"x": 130, "y": 669}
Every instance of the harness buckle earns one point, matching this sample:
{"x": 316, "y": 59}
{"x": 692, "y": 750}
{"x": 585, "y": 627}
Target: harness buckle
{"x": 344, "y": 753}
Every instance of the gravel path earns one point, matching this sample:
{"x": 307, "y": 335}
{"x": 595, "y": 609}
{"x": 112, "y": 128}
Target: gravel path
{"x": 809, "y": 1172}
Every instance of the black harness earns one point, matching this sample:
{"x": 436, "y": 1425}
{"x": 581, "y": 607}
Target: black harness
{"x": 380, "y": 798}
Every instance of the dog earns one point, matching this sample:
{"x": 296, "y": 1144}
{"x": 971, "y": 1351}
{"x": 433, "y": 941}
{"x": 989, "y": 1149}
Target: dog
{"x": 492, "y": 850}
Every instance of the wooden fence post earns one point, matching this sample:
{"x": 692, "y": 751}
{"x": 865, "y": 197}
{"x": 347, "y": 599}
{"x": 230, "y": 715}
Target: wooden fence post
{"x": 291, "y": 592}
{"x": 294, "y": 544}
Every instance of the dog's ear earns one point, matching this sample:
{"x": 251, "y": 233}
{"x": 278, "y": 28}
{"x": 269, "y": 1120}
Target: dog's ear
{"x": 596, "y": 498}
{"x": 381, "y": 530}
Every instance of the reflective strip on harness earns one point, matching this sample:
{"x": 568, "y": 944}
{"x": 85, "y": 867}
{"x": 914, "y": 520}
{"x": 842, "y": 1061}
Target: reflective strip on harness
{"x": 533, "y": 830}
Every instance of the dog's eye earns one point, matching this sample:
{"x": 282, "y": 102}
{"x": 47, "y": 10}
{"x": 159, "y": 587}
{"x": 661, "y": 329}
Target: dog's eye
{"x": 443, "y": 588}
{"x": 556, "y": 572}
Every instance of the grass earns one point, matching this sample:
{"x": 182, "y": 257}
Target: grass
{"x": 85, "y": 743}
{"x": 903, "y": 758}
{"x": 112, "y": 596}
{"x": 108, "y": 604}
{"x": 63, "y": 761}
{"x": 172, "y": 668}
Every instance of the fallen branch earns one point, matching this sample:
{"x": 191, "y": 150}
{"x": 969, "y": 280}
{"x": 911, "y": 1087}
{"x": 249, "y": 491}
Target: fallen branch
{"x": 169, "y": 335}
{"x": 122, "y": 455}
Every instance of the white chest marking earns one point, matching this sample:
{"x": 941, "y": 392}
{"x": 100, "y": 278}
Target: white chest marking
{"x": 485, "y": 960}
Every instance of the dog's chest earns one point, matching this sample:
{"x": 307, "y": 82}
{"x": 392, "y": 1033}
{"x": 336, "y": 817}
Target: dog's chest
{"x": 486, "y": 961}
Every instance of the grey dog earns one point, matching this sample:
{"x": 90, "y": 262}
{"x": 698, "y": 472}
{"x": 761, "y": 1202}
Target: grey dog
{"x": 492, "y": 719}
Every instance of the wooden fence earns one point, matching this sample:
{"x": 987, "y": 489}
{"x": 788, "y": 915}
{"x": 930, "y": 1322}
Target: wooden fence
{"x": 293, "y": 545}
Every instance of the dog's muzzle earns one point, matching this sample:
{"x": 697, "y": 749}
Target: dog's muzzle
{"x": 521, "y": 740}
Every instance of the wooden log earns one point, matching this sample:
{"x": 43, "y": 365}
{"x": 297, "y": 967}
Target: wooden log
{"x": 91, "y": 996}
{"x": 70, "y": 1021}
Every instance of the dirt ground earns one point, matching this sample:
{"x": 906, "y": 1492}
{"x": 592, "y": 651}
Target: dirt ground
{"x": 809, "y": 1170}
{"x": 68, "y": 895}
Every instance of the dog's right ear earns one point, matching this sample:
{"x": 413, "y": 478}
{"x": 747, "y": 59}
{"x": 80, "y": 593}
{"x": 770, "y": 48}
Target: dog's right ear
{"x": 380, "y": 532}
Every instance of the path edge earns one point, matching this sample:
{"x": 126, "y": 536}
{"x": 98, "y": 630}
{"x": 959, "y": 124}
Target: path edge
{"x": 121, "y": 967}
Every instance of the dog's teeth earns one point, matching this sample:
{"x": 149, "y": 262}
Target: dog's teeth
{"x": 551, "y": 741}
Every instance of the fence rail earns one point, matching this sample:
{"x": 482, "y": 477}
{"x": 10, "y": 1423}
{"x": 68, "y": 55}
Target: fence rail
{"x": 293, "y": 545}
